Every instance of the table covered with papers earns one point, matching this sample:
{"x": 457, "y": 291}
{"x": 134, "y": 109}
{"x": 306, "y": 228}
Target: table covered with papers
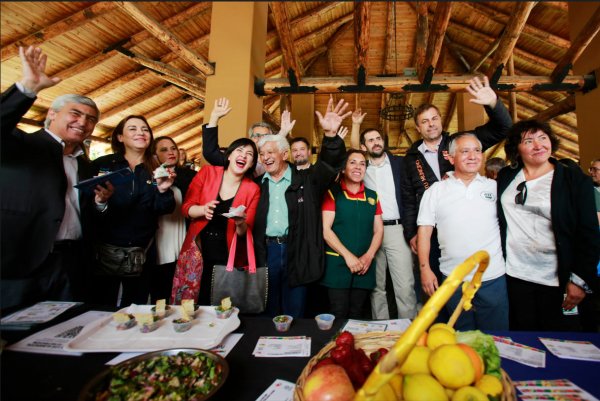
{"x": 36, "y": 376}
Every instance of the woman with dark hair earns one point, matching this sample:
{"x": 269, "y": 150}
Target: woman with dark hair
{"x": 549, "y": 231}
{"x": 171, "y": 227}
{"x": 214, "y": 191}
{"x": 127, "y": 215}
{"x": 353, "y": 231}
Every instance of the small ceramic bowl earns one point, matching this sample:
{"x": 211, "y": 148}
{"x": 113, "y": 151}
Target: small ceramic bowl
{"x": 223, "y": 314}
{"x": 167, "y": 312}
{"x": 126, "y": 325}
{"x": 181, "y": 325}
{"x": 149, "y": 327}
{"x": 283, "y": 322}
{"x": 325, "y": 321}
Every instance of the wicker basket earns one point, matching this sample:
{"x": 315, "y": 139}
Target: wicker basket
{"x": 401, "y": 343}
{"x": 371, "y": 342}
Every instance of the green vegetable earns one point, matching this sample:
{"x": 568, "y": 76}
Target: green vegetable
{"x": 485, "y": 347}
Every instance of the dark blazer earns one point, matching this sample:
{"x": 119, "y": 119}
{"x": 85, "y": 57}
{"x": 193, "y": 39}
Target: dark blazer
{"x": 397, "y": 163}
{"x": 574, "y": 221}
{"x": 32, "y": 189}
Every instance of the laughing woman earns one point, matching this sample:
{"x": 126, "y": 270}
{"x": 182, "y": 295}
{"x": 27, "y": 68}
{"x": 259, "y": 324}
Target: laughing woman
{"x": 127, "y": 216}
{"x": 213, "y": 191}
{"x": 353, "y": 231}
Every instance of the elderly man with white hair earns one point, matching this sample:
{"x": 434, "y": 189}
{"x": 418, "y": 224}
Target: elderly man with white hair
{"x": 288, "y": 231}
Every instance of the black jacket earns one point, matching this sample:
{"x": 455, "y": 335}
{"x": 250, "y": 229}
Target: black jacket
{"x": 574, "y": 221}
{"x": 32, "y": 190}
{"x": 304, "y": 196}
{"x": 131, "y": 218}
{"x": 419, "y": 176}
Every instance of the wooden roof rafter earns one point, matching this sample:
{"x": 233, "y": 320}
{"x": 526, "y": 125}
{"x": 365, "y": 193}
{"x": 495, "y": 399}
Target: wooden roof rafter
{"x": 291, "y": 60}
{"x": 58, "y": 28}
{"x": 583, "y": 39}
{"x": 177, "y": 46}
{"x": 511, "y": 35}
{"x": 435, "y": 40}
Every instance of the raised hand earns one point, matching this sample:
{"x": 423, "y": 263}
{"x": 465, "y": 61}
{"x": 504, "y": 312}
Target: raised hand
{"x": 483, "y": 94}
{"x": 357, "y": 117}
{"x": 342, "y": 132}
{"x": 220, "y": 109}
{"x": 333, "y": 116}
{"x": 34, "y": 70}
{"x": 286, "y": 123}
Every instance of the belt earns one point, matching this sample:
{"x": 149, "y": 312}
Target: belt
{"x": 392, "y": 222}
{"x": 277, "y": 240}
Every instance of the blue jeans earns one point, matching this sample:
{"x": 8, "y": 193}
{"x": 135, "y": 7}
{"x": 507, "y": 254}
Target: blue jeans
{"x": 281, "y": 297}
{"x": 490, "y": 307}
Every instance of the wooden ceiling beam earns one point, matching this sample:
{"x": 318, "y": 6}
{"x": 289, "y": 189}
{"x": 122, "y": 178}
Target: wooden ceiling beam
{"x": 302, "y": 19}
{"x": 488, "y": 53}
{"x": 456, "y": 52}
{"x": 138, "y": 14}
{"x": 511, "y": 34}
{"x": 135, "y": 40}
{"x": 512, "y": 96}
{"x": 451, "y": 83}
{"x": 362, "y": 33}
{"x": 169, "y": 73}
{"x": 578, "y": 46}
{"x": 286, "y": 40}
{"x": 450, "y": 113}
{"x": 503, "y": 19}
{"x": 58, "y": 28}
{"x": 389, "y": 28}
{"x": 436, "y": 37}
{"x": 179, "y": 101}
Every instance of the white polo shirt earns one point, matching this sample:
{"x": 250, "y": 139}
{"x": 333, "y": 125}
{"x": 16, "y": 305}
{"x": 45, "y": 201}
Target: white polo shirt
{"x": 466, "y": 221}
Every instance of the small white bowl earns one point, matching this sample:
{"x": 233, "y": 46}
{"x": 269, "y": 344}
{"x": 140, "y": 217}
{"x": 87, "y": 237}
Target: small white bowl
{"x": 283, "y": 322}
{"x": 325, "y": 321}
{"x": 180, "y": 325}
{"x": 223, "y": 314}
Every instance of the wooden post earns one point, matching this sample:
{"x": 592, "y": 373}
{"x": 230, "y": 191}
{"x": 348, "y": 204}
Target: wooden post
{"x": 237, "y": 47}
{"x": 470, "y": 115}
{"x": 586, "y": 105}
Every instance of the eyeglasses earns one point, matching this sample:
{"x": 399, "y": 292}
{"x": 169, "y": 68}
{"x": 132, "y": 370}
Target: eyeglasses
{"x": 258, "y": 136}
{"x": 593, "y": 170}
{"x": 521, "y": 196}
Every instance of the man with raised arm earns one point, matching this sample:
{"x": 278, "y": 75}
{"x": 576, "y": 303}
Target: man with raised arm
{"x": 42, "y": 251}
{"x": 427, "y": 160}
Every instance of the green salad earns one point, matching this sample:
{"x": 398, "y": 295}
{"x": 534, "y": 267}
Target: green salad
{"x": 185, "y": 376}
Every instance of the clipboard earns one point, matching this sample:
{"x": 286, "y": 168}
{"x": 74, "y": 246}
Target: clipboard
{"x": 117, "y": 177}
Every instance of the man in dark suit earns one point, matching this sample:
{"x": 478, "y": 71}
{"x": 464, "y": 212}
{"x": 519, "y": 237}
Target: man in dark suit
{"x": 42, "y": 252}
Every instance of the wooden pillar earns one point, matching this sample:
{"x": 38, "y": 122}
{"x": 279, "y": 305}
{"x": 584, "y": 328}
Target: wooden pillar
{"x": 303, "y": 111}
{"x": 237, "y": 47}
{"x": 470, "y": 115}
{"x": 586, "y": 105}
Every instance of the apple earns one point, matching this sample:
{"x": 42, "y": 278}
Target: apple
{"x": 328, "y": 383}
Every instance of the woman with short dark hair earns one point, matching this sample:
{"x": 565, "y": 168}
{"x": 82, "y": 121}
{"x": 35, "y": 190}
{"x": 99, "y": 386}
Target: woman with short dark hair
{"x": 549, "y": 231}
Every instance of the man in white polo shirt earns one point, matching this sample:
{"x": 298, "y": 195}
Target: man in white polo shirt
{"x": 463, "y": 209}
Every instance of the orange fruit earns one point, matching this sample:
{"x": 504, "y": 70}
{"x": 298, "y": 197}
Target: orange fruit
{"x": 475, "y": 359}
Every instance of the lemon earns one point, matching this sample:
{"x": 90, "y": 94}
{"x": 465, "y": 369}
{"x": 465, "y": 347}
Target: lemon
{"x": 451, "y": 366}
{"x": 422, "y": 387}
{"x": 469, "y": 393}
{"x": 416, "y": 362}
{"x": 491, "y": 386}
{"x": 442, "y": 326}
{"x": 440, "y": 336}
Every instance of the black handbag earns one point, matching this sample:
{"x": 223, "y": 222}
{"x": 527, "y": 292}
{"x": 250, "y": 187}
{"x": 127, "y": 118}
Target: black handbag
{"x": 247, "y": 286}
{"x": 110, "y": 260}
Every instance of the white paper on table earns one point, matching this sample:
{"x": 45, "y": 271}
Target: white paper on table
{"x": 279, "y": 390}
{"x": 396, "y": 324}
{"x": 41, "y": 312}
{"x": 282, "y": 346}
{"x": 521, "y": 353}
{"x": 235, "y": 211}
{"x": 580, "y": 350}
{"x": 53, "y": 339}
{"x": 363, "y": 326}
{"x": 560, "y": 389}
